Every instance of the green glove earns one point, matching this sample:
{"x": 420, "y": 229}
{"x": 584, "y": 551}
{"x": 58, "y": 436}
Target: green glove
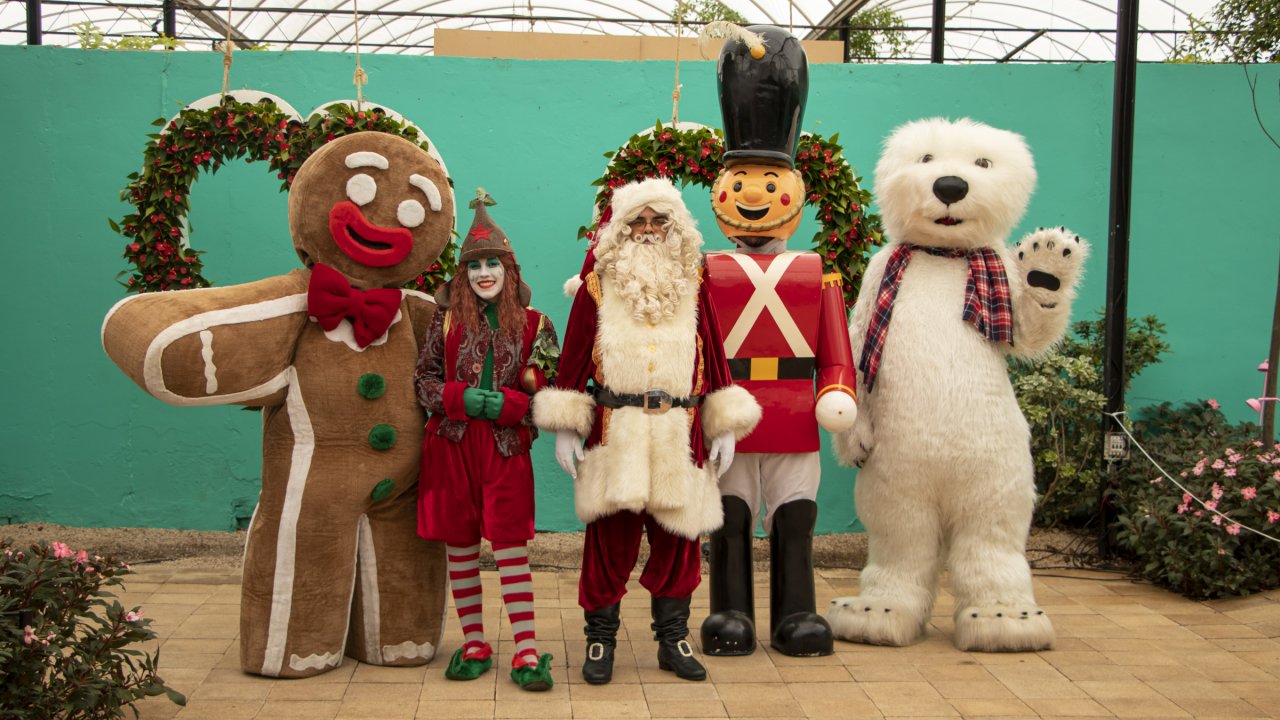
{"x": 493, "y": 405}
{"x": 473, "y": 401}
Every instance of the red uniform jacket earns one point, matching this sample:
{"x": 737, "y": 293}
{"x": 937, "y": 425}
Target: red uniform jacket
{"x": 784, "y": 327}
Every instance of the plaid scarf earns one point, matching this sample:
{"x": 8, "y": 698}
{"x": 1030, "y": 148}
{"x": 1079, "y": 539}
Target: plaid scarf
{"x": 986, "y": 301}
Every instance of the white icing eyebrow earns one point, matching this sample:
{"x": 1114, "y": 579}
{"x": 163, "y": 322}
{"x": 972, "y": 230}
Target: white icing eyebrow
{"x": 367, "y": 159}
{"x": 429, "y": 189}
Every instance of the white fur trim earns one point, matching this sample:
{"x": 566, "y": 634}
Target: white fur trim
{"x": 571, "y": 286}
{"x": 730, "y": 409}
{"x": 304, "y": 442}
{"x": 633, "y": 197}
{"x": 556, "y": 409}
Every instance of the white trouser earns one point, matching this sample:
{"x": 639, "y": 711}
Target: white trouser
{"x": 777, "y": 478}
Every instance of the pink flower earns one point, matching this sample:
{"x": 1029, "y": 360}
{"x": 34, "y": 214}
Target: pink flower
{"x": 1156, "y": 480}
{"x": 1218, "y": 464}
{"x": 1211, "y": 505}
{"x": 1183, "y": 508}
{"x": 132, "y": 616}
{"x": 1229, "y": 472}
{"x": 1249, "y": 493}
{"x": 1217, "y": 519}
{"x": 28, "y": 635}
{"x": 1272, "y": 516}
{"x": 1186, "y": 497}
{"x": 1213, "y": 404}
{"x": 1217, "y": 491}
{"x": 60, "y": 550}
{"x": 1233, "y": 529}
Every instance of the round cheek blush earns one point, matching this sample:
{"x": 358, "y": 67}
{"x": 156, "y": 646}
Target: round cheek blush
{"x": 723, "y": 195}
{"x": 786, "y": 199}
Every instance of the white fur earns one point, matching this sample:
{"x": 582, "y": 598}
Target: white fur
{"x": 730, "y": 409}
{"x": 555, "y": 409}
{"x": 946, "y": 473}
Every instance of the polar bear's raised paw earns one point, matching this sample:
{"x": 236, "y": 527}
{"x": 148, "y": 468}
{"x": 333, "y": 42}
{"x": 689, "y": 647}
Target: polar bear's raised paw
{"x": 1003, "y": 628}
{"x": 875, "y": 621}
{"x": 1049, "y": 261}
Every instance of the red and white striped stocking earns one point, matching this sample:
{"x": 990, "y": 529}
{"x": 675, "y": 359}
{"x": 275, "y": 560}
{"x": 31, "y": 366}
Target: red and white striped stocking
{"x": 517, "y": 595}
{"x": 464, "y": 580}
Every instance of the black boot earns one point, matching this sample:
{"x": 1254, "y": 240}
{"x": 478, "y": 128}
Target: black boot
{"x": 730, "y": 629}
{"x": 796, "y": 628}
{"x": 671, "y": 630}
{"x": 602, "y": 637}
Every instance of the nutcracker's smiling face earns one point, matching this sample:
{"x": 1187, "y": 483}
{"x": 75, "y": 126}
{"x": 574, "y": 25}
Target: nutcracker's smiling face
{"x": 374, "y": 206}
{"x": 758, "y": 203}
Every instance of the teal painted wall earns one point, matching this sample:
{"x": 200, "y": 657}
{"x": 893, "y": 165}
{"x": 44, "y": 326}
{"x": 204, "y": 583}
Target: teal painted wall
{"x": 81, "y": 445}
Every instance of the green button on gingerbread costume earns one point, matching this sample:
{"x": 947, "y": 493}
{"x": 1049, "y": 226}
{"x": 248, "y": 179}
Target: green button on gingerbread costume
{"x": 333, "y": 565}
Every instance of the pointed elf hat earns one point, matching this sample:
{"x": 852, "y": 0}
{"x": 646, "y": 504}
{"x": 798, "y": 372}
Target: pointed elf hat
{"x": 485, "y": 239}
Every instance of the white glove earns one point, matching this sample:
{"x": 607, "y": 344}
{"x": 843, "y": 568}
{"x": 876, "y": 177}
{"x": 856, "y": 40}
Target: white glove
{"x": 569, "y": 449}
{"x": 836, "y": 411}
{"x": 722, "y": 449}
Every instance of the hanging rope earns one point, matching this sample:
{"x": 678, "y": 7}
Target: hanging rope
{"x": 227, "y": 47}
{"x": 675, "y": 94}
{"x": 361, "y": 77}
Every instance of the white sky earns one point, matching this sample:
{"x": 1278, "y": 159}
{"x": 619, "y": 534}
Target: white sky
{"x": 972, "y": 35}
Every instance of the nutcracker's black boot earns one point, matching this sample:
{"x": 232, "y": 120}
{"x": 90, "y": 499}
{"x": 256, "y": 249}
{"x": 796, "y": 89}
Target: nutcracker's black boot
{"x": 796, "y": 628}
{"x": 602, "y": 637}
{"x": 730, "y": 629}
{"x": 671, "y": 630}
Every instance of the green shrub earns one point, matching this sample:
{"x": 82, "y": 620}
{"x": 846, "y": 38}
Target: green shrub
{"x": 1196, "y": 539}
{"x": 1062, "y": 400}
{"x": 64, "y": 639}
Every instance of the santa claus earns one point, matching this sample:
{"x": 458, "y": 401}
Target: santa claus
{"x": 644, "y": 380}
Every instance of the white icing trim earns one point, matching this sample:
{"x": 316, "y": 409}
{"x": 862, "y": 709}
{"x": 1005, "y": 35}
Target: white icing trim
{"x": 766, "y": 297}
{"x": 210, "y": 370}
{"x": 153, "y": 374}
{"x": 418, "y": 294}
{"x": 366, "y": 158}
{"x": 408, "y": 650}
{"x": 304, "y": 443}
{"x": 102, "y": 332}
{"x": 316, "y": 662}
{"x": 429, "y": 189}
{"x": 370, "y": 599}
{"x": 345, "y": 333}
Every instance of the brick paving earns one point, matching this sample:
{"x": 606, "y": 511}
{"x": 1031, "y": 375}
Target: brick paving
{"x": 1124, "y": 650}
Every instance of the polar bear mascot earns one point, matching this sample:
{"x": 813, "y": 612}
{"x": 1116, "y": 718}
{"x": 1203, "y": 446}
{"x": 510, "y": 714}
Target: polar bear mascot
{"x": 944, "y": 450}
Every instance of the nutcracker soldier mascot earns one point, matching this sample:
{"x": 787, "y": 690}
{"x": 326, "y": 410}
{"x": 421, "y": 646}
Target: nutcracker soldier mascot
{"x": 333, "y": 564}
{"x": 643, "y": 380}
{"x": 787, "y": 343}
{"x": 485, "y": 355}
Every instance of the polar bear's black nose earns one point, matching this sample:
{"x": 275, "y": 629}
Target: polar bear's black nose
{"x": 950, "y": 189}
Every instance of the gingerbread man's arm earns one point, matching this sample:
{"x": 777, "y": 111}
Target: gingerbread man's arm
{"x": 216, "y": 346}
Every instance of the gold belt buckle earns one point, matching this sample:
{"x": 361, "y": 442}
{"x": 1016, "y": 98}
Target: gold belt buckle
{"x": 656, "y": 402}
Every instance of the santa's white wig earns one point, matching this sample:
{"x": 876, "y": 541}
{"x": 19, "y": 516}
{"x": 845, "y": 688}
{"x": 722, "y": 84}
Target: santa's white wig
{"x": 682, "y": 246}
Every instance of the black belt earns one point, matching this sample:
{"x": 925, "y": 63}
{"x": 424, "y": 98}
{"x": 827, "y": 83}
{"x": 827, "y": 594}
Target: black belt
{"x": 653, "y": 401}
{"x": 787, "y": 368}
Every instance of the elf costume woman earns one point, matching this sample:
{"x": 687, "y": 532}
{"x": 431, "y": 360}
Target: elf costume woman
{"x": 485, "y": 355}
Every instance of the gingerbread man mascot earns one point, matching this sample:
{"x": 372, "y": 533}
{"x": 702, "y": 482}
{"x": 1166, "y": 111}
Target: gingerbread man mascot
{"x": 333, "y": 563}
{"x": 786, "y": 340}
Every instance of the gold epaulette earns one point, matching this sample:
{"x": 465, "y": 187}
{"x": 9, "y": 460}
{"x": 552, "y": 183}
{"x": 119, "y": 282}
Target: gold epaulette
{"x": 593, "y": 286}
{"x": 830, "y": 279}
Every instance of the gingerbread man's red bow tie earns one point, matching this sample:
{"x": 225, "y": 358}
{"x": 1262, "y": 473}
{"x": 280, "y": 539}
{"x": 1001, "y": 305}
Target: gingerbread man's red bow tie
{"x": 330, "y": 298}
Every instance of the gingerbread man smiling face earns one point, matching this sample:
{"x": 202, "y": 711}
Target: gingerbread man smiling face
{"x": 373, "y": 206}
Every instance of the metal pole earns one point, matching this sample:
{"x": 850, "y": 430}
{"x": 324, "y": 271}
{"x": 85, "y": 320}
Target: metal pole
{"x": 1269, "y": 387}
{"x": 939, "y": 28}
{"x": 170, "y": 18}
{"x": 844, "y": 37}
{"x": 35, "y": 34}
{"x": 1116, "y": 323}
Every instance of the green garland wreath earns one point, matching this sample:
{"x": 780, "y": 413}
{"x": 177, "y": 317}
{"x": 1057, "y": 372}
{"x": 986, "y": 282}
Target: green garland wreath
{"x": 199, "y": 140}
{"x": 848, "y": 231}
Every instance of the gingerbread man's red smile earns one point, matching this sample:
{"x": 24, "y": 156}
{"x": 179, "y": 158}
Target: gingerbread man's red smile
{"x": 365, "y": 242}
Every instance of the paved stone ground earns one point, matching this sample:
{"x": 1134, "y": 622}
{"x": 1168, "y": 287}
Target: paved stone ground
{"x": 1125, "y": 650}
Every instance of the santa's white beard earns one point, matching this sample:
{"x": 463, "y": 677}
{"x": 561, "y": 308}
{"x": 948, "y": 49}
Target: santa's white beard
{"x": 649, "y": 278}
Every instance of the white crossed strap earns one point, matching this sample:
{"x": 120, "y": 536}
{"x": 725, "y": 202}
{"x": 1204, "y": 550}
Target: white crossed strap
{"x": 766, "y": 297}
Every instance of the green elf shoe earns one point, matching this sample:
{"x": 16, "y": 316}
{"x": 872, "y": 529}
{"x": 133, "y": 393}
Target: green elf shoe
{"x": 461, "y": 668}
{"x": 535, "y": 678}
